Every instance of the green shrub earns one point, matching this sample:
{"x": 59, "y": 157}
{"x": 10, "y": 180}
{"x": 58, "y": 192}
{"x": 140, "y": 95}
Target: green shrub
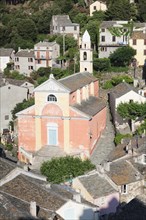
{"x": 9, "y": 147}
{"x": 101, "y": 64}
{"x": 119, "y": 137}
{"x": 108, "y": 85}
{"x": 63, "y": 168}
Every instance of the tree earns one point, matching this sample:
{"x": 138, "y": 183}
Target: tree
{"x": 61, "y": 169}
{"x": 132, "y": 110}
{"x": 122, "y": 56}
{"x": 120, "y": 10}
{"x": 141, "y": 5}
{"x": 20, "y": 106}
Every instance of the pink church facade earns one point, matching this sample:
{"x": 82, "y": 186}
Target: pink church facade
{"x": 67, "y": 113}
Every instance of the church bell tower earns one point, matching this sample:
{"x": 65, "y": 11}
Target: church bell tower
{"x": 86, "y": 54}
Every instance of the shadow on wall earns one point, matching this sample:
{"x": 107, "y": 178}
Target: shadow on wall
{"x": 111, "y": 208}
{"x": 88, "y": 214}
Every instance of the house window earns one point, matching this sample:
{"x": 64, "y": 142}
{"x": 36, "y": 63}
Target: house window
{"x": 85, "y": 69}
{"x": 131, "y": 101}
{"x": 85, "y": 45}
{"x": 124, "y": 189}
{"x": 75, "y": 28}
{"x": 6, "y": 117}
{"x": 104, "y": 49}
{"x": 94, "y": 7}
{"x": 113, "y": 38}
{"x": 144, "y": 52}
{"x": 85, "y": 56}
{"x": 103, "y": 30}
{"x": 17, "y": 67}
{"x": 63, "y": 28}
{"x": 17, "y": 59}
{"x": 144, "y": 41}
{"x": 134, "y": 42}
{"x": 52, "y": 98}
{"x": 39, "y": 61}
{"x": 144, "y": 158}
{"x": 30, "y": 67}
{"x": 30, "y": 59}
{"x": 103, "y": 38}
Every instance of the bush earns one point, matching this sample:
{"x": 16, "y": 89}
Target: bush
{"x": 119, "y": 137}
{"x": 63, "y": 168}
{"x": 9, "y": 147}
{"x": 101, "y": 64}
{"x": 122, "y": 56}
{"x": 116, "y": 80}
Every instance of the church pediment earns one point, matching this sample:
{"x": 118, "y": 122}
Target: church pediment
{"x": 51, "y": 85}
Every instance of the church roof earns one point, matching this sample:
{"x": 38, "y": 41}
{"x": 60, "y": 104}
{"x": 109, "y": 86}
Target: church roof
{"x": 91, "y": 106}
{"x": 77, "y": 81}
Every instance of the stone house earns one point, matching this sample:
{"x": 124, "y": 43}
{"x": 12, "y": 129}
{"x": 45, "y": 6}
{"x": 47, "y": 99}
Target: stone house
{"x": 61, "y": 24}
{"x": 108, "y": 41}
{"x": 46, "y": 54}
{"x": 129, "y": 180}
{"x": 96, "y": 188}
{"x": 97, "y": 6}
{"x": 123, "y": 93}
{"x": 29, "y": 195}
{"x": 24, "y": 61}
{"x": 8, "y": 98}
{"x": 6, "y": 56}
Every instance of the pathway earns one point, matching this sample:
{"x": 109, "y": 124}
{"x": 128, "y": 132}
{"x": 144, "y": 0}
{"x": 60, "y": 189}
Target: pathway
{"x": 105, "y": 144}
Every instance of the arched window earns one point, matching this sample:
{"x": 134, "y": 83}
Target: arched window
{"x": 85, "y": 56}
{"x": 52, "y": 98}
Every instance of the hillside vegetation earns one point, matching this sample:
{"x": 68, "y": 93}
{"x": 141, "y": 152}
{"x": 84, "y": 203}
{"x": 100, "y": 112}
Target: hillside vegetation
{"x": 25, "y": 22}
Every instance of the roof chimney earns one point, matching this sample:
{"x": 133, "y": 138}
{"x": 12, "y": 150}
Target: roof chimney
{"x": 77, "y": 197}
{"x": 33, "y": 209}
{"x": 107, "y": 166}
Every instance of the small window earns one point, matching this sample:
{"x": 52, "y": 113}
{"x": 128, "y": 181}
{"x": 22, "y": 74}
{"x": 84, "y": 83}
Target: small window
{"x": 113, "y": 38}
{"x": 134, "y": 42}
{"x": 75, "y": 28}
{"x": 94, "y": 7}
{"x": 144, "y": 158}
{"x": 124, "y": 189}
{"x": 9, "y": 87}
{"x": 85, "y": 56}
{"x": 52, "y": 98}
{"x": 131, "y": 101}
{"x": 30, "y": 67}
{"x": 103, "y": 38}
{"x": 63, "y": 28}
{"x": 144, "y": 41}
{"x": 85, "y": 45}
{"x": 144, "y": 52}
{"x": 103, "y": 30}
{"x": 6, "y": 117}
{"x": 39, "y": 61}
{"x": 30, "y": 59}
{"x": 85, "y": 69}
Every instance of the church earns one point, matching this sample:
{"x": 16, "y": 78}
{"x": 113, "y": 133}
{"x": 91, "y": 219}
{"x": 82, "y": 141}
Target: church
{"x": 67, "y": 115}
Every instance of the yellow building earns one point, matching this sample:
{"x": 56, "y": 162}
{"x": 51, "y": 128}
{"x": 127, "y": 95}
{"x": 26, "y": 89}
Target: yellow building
{"x": 138, "y": 42}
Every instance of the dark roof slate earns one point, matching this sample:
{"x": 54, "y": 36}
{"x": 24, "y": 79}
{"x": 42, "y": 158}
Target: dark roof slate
{"x": 77, "y": 80}
{"x": 100, "y": 188}
{"x": 122, "y": 172}
{"x": 122, "y": 89}
{"x": 25, "y": 53}
{"x": 5, "y": 167}
{"x": 6, "y": 52}
{"x": 91, "y": 106}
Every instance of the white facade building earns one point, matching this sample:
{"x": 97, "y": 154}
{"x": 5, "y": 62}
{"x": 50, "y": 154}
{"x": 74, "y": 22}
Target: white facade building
{"x": 61, "y": 24}
{"x": 108, "y": 41}
{"x": 97, "y": 6}
{"x": 6, "y": 56}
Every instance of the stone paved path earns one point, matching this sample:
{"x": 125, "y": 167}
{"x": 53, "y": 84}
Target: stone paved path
{"x": 105, "y": 143}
